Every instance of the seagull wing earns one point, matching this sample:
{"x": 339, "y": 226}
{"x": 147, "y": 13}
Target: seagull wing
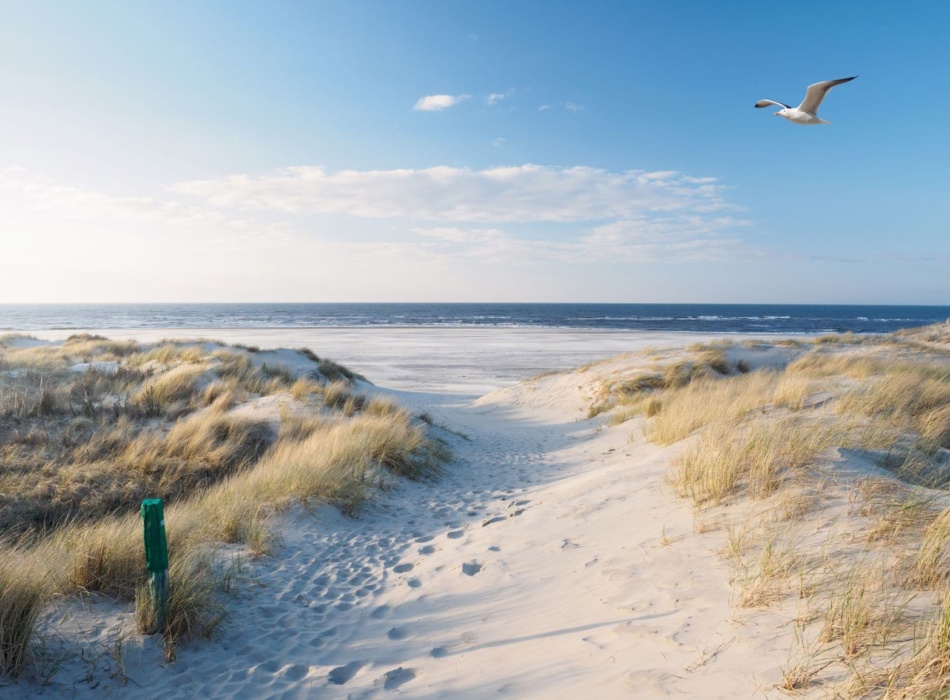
{"x": 768, "y": 103}
{"x": 816, "y": 93}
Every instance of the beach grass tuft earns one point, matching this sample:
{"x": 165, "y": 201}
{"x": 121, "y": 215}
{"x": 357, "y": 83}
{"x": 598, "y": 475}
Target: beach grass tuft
{"x": 81, "y": 447}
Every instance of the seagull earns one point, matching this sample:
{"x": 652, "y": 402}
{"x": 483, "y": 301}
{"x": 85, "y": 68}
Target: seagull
{"x": 807, "y": 111}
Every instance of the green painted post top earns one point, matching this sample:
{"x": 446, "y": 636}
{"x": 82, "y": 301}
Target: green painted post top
{"x": 156, "y": 548}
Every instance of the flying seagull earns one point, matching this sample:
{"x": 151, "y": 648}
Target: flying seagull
{"x": 807, "y": 111}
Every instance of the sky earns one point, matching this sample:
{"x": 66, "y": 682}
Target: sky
{"x": 493, "y": 151}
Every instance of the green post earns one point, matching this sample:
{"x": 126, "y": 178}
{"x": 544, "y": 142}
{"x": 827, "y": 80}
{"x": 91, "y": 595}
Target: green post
{"x": 156, "y": 558}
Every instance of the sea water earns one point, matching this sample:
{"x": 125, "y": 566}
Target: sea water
{"x": 781, "y": 319}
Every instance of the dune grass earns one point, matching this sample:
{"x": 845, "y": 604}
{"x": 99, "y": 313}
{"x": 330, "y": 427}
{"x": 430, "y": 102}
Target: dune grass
{"x": 700, "y": 403}
{"x": 632, "y": 393}
{"x": 762, "y": 448}
{"x": 24, "y": 594}
{"x": 753, "y": 459}
{"x": 80, "y": 449}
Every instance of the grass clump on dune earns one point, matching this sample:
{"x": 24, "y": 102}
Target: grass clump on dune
{"x": 752, "y": 459}
{"x": 692, "y": 406}
{"x": 79, "y": 448}
{"x": 633, "y": 394}
{"x": 24, "y": 594}
{"x": 106, "y": 467}
{"x": 96, "y": 347}
{"x": 768, "y": 454}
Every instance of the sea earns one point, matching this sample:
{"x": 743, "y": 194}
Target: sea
{"x": 783, "y": 319}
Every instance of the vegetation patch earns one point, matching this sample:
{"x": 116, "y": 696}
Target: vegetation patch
{"x": 831, "y": 474}
{"x": 91, "y": 426}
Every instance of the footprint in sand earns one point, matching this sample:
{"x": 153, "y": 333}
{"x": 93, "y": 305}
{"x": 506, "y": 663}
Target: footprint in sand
{"x": 652, "y": 682}
{"x": 397, "y": 677}
{"x": 491, "y": 521}
{"x": 294, "y": 672}
{"x": 341, "y": 674}
{"x": 471, "y": 568}
{"x": 428, "y": 549}
{"x": 439, "y": 653}
{"x": 397, "y": 633}
{"x": 402, "y": 568}
{"x": 267, "y": 667}
{"x": 414, "y": 583}
{"x": 380, "y": 612}
{"x": 455, "y": 534}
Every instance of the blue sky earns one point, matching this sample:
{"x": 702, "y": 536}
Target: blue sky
{"x": 472, "y": 151}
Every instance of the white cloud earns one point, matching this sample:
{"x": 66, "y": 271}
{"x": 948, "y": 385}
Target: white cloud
{"x": 679, "y": 238}
{"x": 486, "y": 244}
{"x": 43, "y": 194}
{"x": 573, "y": 107}
{"x": 525, "y": 193}
{"x": 447, "y": 225}
{"x": 461, "y": 235}
{"x": 544, "y": 108}
{"x": 436, "y": 103}
{"x": 494, "y": 98}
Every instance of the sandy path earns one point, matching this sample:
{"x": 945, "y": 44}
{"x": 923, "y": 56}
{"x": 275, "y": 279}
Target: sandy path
{"x": 550, "y": 561}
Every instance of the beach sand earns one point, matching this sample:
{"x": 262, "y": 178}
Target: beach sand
{"x": 550, "y": 561}
{"x": 463, "y": 361}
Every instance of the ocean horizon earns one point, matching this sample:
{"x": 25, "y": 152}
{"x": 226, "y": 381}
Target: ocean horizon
{"x": 705, "y": 318}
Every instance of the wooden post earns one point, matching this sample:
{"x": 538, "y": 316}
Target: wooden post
{"x": 156, "y": 558}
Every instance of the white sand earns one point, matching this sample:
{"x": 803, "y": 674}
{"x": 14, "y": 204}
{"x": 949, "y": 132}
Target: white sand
{"x": 550, "y": 561}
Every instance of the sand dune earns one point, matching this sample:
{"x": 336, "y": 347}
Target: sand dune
{"x": 550, "y": 561}
{"x": 554, "y": 560}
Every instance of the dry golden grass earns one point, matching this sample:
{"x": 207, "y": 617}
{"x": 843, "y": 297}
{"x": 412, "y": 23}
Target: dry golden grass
{"x": 932, "y": 563}
{"x": 926, "y": 674}
{"x": 169, "y": 354}
{"x": 792, "y": 391}
{"x": 905, "y": 389}
{"x": 305, "y": 388}
{"x": 824, "y": 364}
{"x": 108, "y": 467}
{"x": 39, "y": 358}
{"x": 634, "y": 393}
{"x": 194, "y": 607}
{"x": 378, "y": 406}
{"x": 701, "y": 403}
{"x": 764, "y": 578}
{"x": 337, "y": 463}
{"x": 863, "y": 611}
{"x": 24, "y": 594}
{"x": 904, "y": 515}
{"x": 77, "y": 449}
{"x": 87, "y": 347}
{"x": 779, "y": 436}
{"x": 169, "y": 393}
